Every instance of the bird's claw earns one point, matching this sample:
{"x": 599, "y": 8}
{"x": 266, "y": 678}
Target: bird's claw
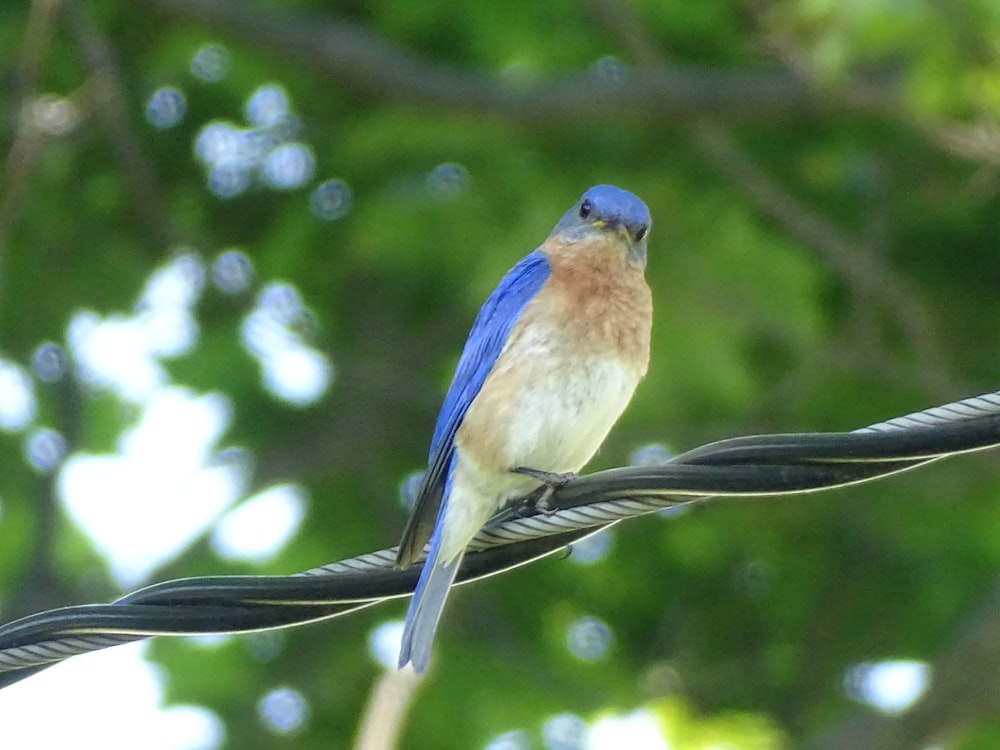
{"x": 551, "y": 479}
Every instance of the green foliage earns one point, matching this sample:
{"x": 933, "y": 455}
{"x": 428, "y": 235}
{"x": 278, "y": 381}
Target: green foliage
{"x": 863, "y": 288}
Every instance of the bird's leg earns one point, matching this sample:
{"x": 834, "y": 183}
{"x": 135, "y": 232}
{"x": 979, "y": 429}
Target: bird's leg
{"x": 552, "y": 480}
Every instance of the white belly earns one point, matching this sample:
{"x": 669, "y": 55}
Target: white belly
{"x": 562, "y": 417}
{"x": 554, "y": 420}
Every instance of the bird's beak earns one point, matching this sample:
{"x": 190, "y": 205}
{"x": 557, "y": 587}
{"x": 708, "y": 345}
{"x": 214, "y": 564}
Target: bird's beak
{"x": 616, "y": 226}
{"x": 636, "y": 250}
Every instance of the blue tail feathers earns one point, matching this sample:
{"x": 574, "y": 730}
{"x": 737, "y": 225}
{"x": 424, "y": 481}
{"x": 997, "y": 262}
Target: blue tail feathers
{"x": 425, "y": 609}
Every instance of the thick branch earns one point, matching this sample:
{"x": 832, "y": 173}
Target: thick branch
{"x": 361, "y": 61}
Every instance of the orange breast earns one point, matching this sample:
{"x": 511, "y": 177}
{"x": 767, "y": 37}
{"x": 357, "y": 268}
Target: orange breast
{"x": 602, "y": 299}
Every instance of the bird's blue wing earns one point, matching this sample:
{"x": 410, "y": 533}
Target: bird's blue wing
{"x": 486, "y": 340}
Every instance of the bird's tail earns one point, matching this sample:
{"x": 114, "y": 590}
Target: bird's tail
{"x": 426, "y": 606}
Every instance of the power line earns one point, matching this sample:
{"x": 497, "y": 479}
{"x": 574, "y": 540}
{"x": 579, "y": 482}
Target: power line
{"x": 748, "y": 467}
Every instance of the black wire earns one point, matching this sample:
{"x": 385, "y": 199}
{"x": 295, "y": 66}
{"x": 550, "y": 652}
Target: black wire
{"x": 219, "y": 604}
{"x": 739, "y": 467}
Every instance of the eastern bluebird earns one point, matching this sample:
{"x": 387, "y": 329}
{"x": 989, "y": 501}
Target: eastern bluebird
{"x": 552, "y": 360}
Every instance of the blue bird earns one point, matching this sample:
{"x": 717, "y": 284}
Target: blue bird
{"x": 551, "y": 362}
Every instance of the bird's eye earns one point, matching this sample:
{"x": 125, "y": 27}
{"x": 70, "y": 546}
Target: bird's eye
{"x": 585, "y": 209}
{"x": 640, "y": 233}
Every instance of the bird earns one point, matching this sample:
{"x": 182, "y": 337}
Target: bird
{"x": 552, "y": 360}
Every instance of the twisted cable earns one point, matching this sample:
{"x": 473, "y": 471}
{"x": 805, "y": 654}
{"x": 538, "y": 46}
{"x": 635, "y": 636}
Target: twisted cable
{"x": 747, "y": 467}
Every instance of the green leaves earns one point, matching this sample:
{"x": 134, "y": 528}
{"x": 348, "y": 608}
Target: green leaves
{"x": 823, "y": 256}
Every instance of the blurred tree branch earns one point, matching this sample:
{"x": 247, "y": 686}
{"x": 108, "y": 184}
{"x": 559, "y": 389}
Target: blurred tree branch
{"x": 22, "y": 156}
{"x": 866, "y": 275}
{"x": 954, "y": 701}
{"x": 112, "y": 108}
{"x": 361, "y": 61}
{"x": 964, "y": 688}
{"x": 746, "y": 124}
{"x": 386, "y": 710}
{"x": 365, "y": 63}
{"x": 978, "y": 140}
{"x": 869, "y": 279}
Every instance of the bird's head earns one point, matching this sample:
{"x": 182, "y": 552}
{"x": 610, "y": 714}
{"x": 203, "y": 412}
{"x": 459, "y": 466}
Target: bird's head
{"x": 607, "y": 211}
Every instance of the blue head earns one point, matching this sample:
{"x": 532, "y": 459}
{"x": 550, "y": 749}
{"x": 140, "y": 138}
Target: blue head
{"x": 606, "y": 211}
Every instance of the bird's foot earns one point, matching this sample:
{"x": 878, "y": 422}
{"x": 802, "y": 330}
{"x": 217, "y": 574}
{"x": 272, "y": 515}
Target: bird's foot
{"x": 551, "y": 479}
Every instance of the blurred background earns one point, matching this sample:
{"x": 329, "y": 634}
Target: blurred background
{"x": 241, "y": 244}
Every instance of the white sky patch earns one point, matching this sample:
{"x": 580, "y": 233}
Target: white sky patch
{"x": 258, "y": 528}
{"x": 384, "y": 641}
{"x": 267, "y": 105}
{"x": 17, "y": 397}
{"x": 106, "y": 699}
{"x": 112, "y": 353}
{"x": 288, "y": 166}
{"x": 637, "y": 731}
{"x": 210, "y": 640}
{"x": 284, "y": 710}
{"x": 890, "y": 686}
{"x": 144, "y": 504}
{"x": 177, "y": 285}
{"x": 122, "y": 352}
{"x": 297, "y": 375}
{"x": 516, "y": 739}
{"x": 290, "y": 369}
